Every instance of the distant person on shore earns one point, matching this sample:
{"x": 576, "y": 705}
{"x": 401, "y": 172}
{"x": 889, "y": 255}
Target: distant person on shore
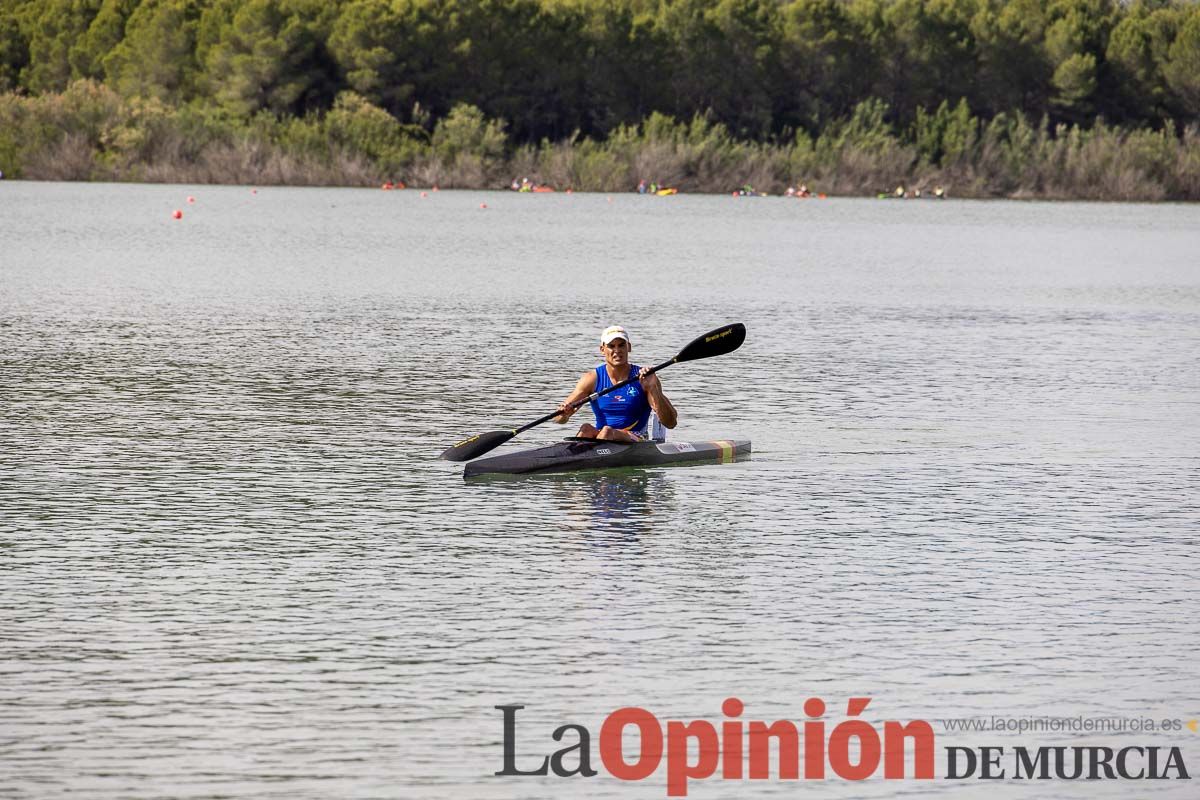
{"x": 641, "y": 187}
{"x": 939, "y": 192}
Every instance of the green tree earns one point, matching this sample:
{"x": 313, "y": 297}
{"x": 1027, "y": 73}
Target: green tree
{"x": 401, "y": 55}
{"x": 948, "y": 135}
{"x": 466, "y": 141}
{"x": 361, "y": 127}
{"x": 14, "y": 47}
{"x": 105, "y": 31}
{"x": 53, "y": 29}
{"x": 725, "y": 58}
{"x": 1075, "y": 44}
{"x": 828, "y": 67}
{"x": 271, "y": 56}
{"x": 364, "y": 42}
{"x": 156, "y": 57}
{"x": 517, "y": 60}
{"x": 1137, "y": 54}
{"x": 465, "y": 130}
{"x": 1182, "y": 69}
{"x": 1013, "y": 71}
{"x": 926, "y": 51}
{"x": 753, "y": 33}
{"x": 628, "y": 57}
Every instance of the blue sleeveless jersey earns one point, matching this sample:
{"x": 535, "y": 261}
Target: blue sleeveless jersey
{"x": 627, "y": 408}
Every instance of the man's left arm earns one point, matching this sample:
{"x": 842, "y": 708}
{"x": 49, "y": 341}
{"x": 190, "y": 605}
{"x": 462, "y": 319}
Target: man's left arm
{"x": 658, "y": 401}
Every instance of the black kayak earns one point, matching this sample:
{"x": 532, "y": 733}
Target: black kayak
{"x": 577, "y": 454}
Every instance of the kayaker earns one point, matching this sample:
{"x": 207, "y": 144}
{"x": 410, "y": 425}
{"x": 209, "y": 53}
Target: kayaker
{"x": 637, "y": 412}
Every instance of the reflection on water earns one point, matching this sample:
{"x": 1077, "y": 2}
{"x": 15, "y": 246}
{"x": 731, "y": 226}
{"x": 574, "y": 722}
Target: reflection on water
{"x": 233, "y": 565}
{"x": 613, "y": 505}
{"x": 607, "y": 507}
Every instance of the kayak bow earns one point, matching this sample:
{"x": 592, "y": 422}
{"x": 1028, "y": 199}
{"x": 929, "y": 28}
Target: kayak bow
{"x": 577, "y": 454}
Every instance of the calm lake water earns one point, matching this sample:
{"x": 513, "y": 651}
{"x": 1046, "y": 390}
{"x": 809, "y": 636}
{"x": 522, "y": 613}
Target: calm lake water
{"x": 232, "y": 565}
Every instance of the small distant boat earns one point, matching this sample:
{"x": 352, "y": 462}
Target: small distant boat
{"x": 666, "y": 192}
{"x": 526, "y": 185}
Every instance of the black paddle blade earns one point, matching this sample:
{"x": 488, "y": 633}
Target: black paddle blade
{"x": 717, "y": 342}
{"x": 477, "y": 445}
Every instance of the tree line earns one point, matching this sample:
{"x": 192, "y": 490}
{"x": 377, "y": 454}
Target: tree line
{"x": 386, "y": 76}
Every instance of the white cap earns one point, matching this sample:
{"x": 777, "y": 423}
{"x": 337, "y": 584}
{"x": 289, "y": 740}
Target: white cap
{"x": 614, "y": 332}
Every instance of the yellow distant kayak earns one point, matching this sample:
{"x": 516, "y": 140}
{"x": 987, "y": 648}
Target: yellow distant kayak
{"x": 665, "y": 192}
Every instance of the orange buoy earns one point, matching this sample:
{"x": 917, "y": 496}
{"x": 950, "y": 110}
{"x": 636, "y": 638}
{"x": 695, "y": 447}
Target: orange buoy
{"x": 177, "y": 214}
{"x": 191, "y": 199}
{"x": 424, "y": 194}
{"x": 254, "y": 191}
{"x": 483, "y": 205}
{"x": 735, "y": 194}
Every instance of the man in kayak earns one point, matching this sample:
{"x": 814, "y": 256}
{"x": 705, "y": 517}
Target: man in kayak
{"x": 626, "y": 415}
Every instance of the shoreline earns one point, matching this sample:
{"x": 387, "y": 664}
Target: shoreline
{"x": 90, "y": 133}
{"x": 502, "y": 190}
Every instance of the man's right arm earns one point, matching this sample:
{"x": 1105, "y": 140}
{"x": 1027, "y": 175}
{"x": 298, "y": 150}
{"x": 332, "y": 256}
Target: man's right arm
{"x": 585, "y": 386}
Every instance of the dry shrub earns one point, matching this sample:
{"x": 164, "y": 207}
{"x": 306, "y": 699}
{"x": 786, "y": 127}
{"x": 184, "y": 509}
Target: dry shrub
{"x": 859, "y": 170}
{"x": 89, "y": 132}
{"x": 661, "y": 163}
{"x": 71, "y": 158}
{"x": 427, "y": 171}
{"x": 1185, "y": 167}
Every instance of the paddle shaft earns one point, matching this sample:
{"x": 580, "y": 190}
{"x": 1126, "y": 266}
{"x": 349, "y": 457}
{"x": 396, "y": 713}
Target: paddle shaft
{"x": 594, "y": 395}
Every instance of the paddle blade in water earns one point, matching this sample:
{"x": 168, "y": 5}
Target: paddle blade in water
{"x": 477, "y": 445}
{"x": 717, "y": 342}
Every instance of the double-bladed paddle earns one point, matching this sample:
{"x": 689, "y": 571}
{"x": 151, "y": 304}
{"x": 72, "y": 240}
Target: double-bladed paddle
{"x": 718, "y": 342}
